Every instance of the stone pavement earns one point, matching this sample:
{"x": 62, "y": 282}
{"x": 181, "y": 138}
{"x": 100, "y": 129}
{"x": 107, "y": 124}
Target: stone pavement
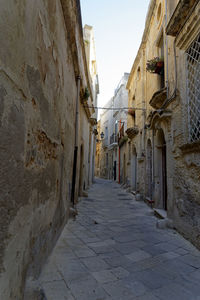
{"x": 113, "y": 250}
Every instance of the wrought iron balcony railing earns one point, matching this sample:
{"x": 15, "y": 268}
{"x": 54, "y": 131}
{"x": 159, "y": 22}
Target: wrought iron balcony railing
{"x": 113, "y": 139}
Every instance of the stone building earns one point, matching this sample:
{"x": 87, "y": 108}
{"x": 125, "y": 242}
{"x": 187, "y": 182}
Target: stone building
{"x": 113, "y": 124}
{"x": 164, "y": 129}
{"x": 94, "y": 82}
{"x": 98, "y": 149}
{"x": 47, "y": 101}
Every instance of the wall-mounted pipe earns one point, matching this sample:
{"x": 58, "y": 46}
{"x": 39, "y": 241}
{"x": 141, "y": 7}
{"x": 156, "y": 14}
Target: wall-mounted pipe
{"x": 119, "y": 152}
{"x": 166, "y": 50}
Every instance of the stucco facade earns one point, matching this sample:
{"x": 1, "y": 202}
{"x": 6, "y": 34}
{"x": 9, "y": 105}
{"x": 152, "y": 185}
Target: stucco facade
{"x": 44, "y": 124}
{"x": 164, "y": 131}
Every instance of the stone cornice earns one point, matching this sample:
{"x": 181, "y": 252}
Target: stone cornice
{"x": 192, "y": 147}
{"x": 144, "y": 37}
{"x": 72, "y": 16}
{"x": 190, "y": 30}
{"x": 185, "y": 23}
{"x": 158, "y": 98}
{"x": 179, "y": 16}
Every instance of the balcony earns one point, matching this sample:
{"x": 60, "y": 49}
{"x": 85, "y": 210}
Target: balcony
{"x": 105, "y": 142}
{"x": 179, "y": 16}
{"x": 121, "y": 137}
{"x": 132, "y": 132}
{"x": 122, "y": 140}
{"x": 93, "y": 121}
{"x": 158, "y": 98}
{"x": 113, "y": 139}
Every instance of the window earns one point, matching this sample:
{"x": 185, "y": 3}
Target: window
{"x": 161, "y": 55}
{"x": 133, "y": 111}
{"x": 138, "y": 73}
{"x": 106, "y": 159}
{"x": 116, "y": 127}
{"x": 106, "y": 133}
{"x": 193, "y": 89}
{"x": 159, "y": 12}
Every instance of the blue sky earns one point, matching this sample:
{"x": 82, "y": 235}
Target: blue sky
{"x": 118, "y": 28}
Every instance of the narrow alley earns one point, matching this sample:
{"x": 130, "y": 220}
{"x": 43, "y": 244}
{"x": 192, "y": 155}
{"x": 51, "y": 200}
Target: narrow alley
{"x": 113, "y": 250}
{"x": 99, "y": 150}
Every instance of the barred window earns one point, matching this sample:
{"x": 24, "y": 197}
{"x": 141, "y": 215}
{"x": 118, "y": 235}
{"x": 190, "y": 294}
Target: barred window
{"x": 193, "y": 89}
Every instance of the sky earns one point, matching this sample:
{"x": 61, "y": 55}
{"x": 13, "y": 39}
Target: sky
{"x": 118, "y": 27}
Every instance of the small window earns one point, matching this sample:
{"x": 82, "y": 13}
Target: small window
{"x": 193, "y": 89}
{"x": 159, "y": 12}
{"x": 138, "y": 73}
{"x": 116, "y": 128}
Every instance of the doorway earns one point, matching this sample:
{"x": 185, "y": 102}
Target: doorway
{"x": 81, "y": 172}
{"x": 124, "y": 169}
{"x": 134, "y": 169}
{"x": 149, "y": 169}
{"x": 162, "y": 165}
{"x": 115, "y": 170}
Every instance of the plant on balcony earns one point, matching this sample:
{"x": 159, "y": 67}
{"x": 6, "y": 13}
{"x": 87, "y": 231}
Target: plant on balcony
{"x": 155, "y": 65}
{"x": 131, "y": 111}
{"x": 132, "y": 132}
{"x": 86, "y": 94}
{"x": 122, "y": 140}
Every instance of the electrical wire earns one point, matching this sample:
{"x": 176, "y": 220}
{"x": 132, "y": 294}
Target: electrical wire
{"x": 115, "y": 108}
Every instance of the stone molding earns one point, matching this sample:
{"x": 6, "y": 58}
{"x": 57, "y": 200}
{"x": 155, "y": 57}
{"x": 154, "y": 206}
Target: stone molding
{"x": 158, "y": 98}
{"x": 190, "y": 30}
{"x": 132, "y": 132}
{"x": 179, "y": 16}
{"x": 191, "y": 147}
{"x": 190, "y": 26}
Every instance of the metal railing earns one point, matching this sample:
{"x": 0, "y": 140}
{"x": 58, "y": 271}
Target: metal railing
{"x": 113, "y": 139}
{"x": 105, "y": 142}
{"x": 193, "y": 89}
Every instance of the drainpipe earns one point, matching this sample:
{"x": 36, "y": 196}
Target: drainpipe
{"x": 143, "y": 99}
{"x": 76, "y": 141}
{"x": 119, "y": 150}
{"x": 153, "y": 164}
{"x": 166, "y": 45}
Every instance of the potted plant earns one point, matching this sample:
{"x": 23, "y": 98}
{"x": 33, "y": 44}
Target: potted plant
{"x": 155, "y": 65}
{"x": 86, "y": 94}
{"x": 131, "y": 111}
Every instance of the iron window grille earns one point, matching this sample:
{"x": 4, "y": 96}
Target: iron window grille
{"x": 193, "y": 89}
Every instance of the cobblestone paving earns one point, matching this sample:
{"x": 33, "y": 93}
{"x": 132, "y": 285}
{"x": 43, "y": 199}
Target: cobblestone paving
{"x": 114, "y": 251}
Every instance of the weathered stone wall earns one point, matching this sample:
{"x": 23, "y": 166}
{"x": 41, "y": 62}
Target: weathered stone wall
{"x": 37, "y": 123}
{"x": 166, "y": 115}
{"x": 186, "y": 186}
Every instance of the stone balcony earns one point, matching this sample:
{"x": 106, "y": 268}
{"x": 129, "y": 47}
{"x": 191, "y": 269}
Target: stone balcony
{"x": 105, "y": 143}
{"x": 158, "y": 98}
{"x": 179, "y": 16}
{"x": 122, "y": 140}
{"x": 113, "y": 141}
{"x": 93, "y": 121}
{"x": 132, "y": 132}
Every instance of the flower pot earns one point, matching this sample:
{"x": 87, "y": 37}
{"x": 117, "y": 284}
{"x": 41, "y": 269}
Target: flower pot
{"x": 131, "y": 111}
{"x": 160, "y": 64}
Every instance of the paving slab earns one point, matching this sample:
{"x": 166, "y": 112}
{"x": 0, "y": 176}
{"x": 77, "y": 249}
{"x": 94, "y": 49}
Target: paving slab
{"x": 57, "y": 290}
{"x": 114, "y": 251}
{"x": 120, "y": 272}
{"x": 95, "y": 264}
